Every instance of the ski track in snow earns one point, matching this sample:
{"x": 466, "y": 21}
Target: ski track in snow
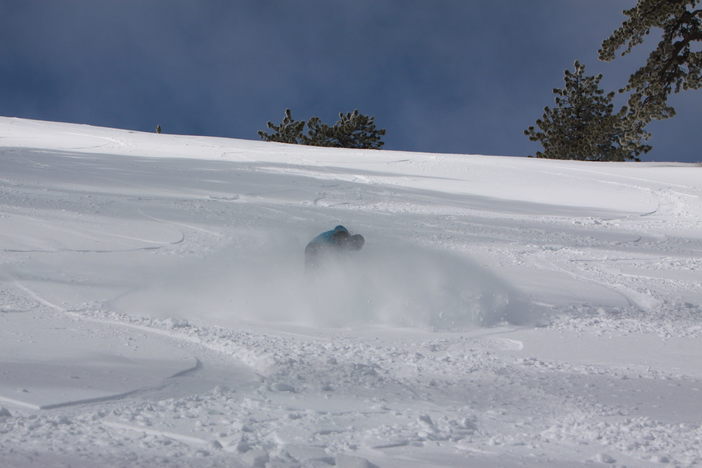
{"x": 516, "y": 331}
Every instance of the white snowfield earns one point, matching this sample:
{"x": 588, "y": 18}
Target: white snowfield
{"x": 154, "y": 309}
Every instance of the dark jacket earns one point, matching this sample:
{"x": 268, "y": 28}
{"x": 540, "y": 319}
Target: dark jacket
{"x": 337, "y": 240}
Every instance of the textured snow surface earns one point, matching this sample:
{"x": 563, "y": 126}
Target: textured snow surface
{"x": 154, "y": 309}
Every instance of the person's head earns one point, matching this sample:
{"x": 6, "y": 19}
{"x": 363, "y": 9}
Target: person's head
{"x": 340, "y": 237}
{"x": 354, "y": 242}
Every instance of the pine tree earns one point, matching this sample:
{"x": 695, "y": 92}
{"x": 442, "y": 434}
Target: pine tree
{"x": 352, "y": 130}
{"x": 318, "y": 134}
{"x": 673, "y": 65}
{"x": 583, "y": 124}
{"x": 289, "y": 130}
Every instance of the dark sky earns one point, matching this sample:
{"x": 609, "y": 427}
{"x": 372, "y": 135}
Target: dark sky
{"x": 464, "y": 76}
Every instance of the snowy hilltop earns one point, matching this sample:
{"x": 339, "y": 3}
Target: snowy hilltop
{"x": 155, "y": 310}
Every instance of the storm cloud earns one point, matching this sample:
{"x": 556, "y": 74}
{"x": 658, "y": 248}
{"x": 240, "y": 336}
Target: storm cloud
{"x": 440, "y": 76}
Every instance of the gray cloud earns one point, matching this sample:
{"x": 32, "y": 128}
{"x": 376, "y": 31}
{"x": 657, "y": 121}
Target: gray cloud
{"x": 449, "y": 75}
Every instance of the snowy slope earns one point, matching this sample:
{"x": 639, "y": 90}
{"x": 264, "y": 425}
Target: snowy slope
{"x": 505, "y": 311}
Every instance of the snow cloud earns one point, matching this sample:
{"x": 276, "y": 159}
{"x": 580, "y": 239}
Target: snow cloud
{"x": 383, "y": 285}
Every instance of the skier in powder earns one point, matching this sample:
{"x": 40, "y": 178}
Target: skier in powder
{"x": 331, "y": 243}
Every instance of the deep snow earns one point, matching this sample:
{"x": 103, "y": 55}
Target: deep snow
{"x": 504, "y": 312}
